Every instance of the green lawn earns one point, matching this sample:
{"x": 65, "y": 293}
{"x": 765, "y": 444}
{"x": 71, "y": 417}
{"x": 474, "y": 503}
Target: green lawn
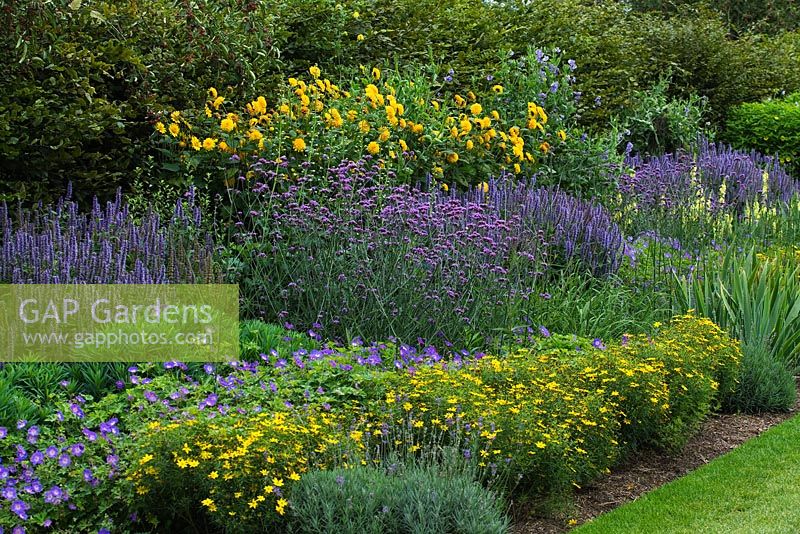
{"x": 754, "y": 489}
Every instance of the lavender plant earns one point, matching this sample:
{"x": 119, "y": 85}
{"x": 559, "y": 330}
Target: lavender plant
{"x": 59, "y": 244}
{"x": 379, "y": 260}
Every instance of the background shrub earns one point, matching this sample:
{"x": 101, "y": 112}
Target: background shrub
{"x": 771, "y": 127}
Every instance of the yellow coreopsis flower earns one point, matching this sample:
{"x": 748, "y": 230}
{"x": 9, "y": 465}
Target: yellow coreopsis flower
{"x": 299, "y": 145}
{"x": 227, "y": 125}
{"x": 196, "y": 144}
{"x": 174, "y": 129}
{"x": 373, "y": 148}
{"x": 314, "y": 71}
{"x": 209, "y": 143}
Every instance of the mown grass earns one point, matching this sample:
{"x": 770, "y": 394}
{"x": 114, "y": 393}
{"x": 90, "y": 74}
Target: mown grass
{"x": 755, "y": 488}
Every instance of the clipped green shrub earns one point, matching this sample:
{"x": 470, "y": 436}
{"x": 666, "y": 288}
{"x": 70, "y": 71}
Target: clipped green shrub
{"x": 770, "y": 127}
{"x": 765, "y": 384}
{"x": 412, "y": 500}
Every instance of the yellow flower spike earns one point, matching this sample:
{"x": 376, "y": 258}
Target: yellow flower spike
{"x": 314, "y": 71}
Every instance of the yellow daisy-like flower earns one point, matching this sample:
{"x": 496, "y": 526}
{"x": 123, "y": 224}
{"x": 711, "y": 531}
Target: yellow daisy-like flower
{"x": 146, "y": 458}
{"x": 545, "y": 147}
{"x": 498, "y": 89}
{"x": 562, "y": 135}
{"x": 384, "y": 136}
{"x": 360, "y": 37}
{"x": 294, "y": 476}
{"x": 160, "y": 128}
{"x": 376, "y": 73}
{"x": 174, "y": 129}
{"x": 363, "y": 126}
{"x": 475, "y": 109}
{"x": 373, "y": 148}
{"x": 452, "y": 158}
{"x": 281, "y": 505}
{"x": 209, "y": 143}
{"x": 227, "y": 125}
{"x": 212, "y": 93}
{"x": 196, "y": 144}
{"x": 213, "y": 475}
{"x": 255, "y": 135}
{"x": 218, "y": 102}
{"x": 315, "y": 72}
{"x": 470, "y": 144}
{"x": 299, "y": 145}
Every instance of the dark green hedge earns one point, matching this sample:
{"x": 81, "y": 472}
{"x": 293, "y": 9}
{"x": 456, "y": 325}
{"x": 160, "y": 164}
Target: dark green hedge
{"x": 769, "y": 127}
{"x": 81, "y": 77}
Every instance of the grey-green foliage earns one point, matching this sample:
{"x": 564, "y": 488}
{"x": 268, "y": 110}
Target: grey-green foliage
{"x": 765, "y": 384}
{"x": 416, "y": 499}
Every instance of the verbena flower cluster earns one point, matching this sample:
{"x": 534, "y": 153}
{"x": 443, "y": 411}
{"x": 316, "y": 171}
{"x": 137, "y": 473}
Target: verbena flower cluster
{"x": 61, "y": 245}
{"x": 356, "y": 247}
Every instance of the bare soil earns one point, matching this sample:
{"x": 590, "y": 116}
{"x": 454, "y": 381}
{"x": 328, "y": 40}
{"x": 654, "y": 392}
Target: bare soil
{"x": 648, "y": 470}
